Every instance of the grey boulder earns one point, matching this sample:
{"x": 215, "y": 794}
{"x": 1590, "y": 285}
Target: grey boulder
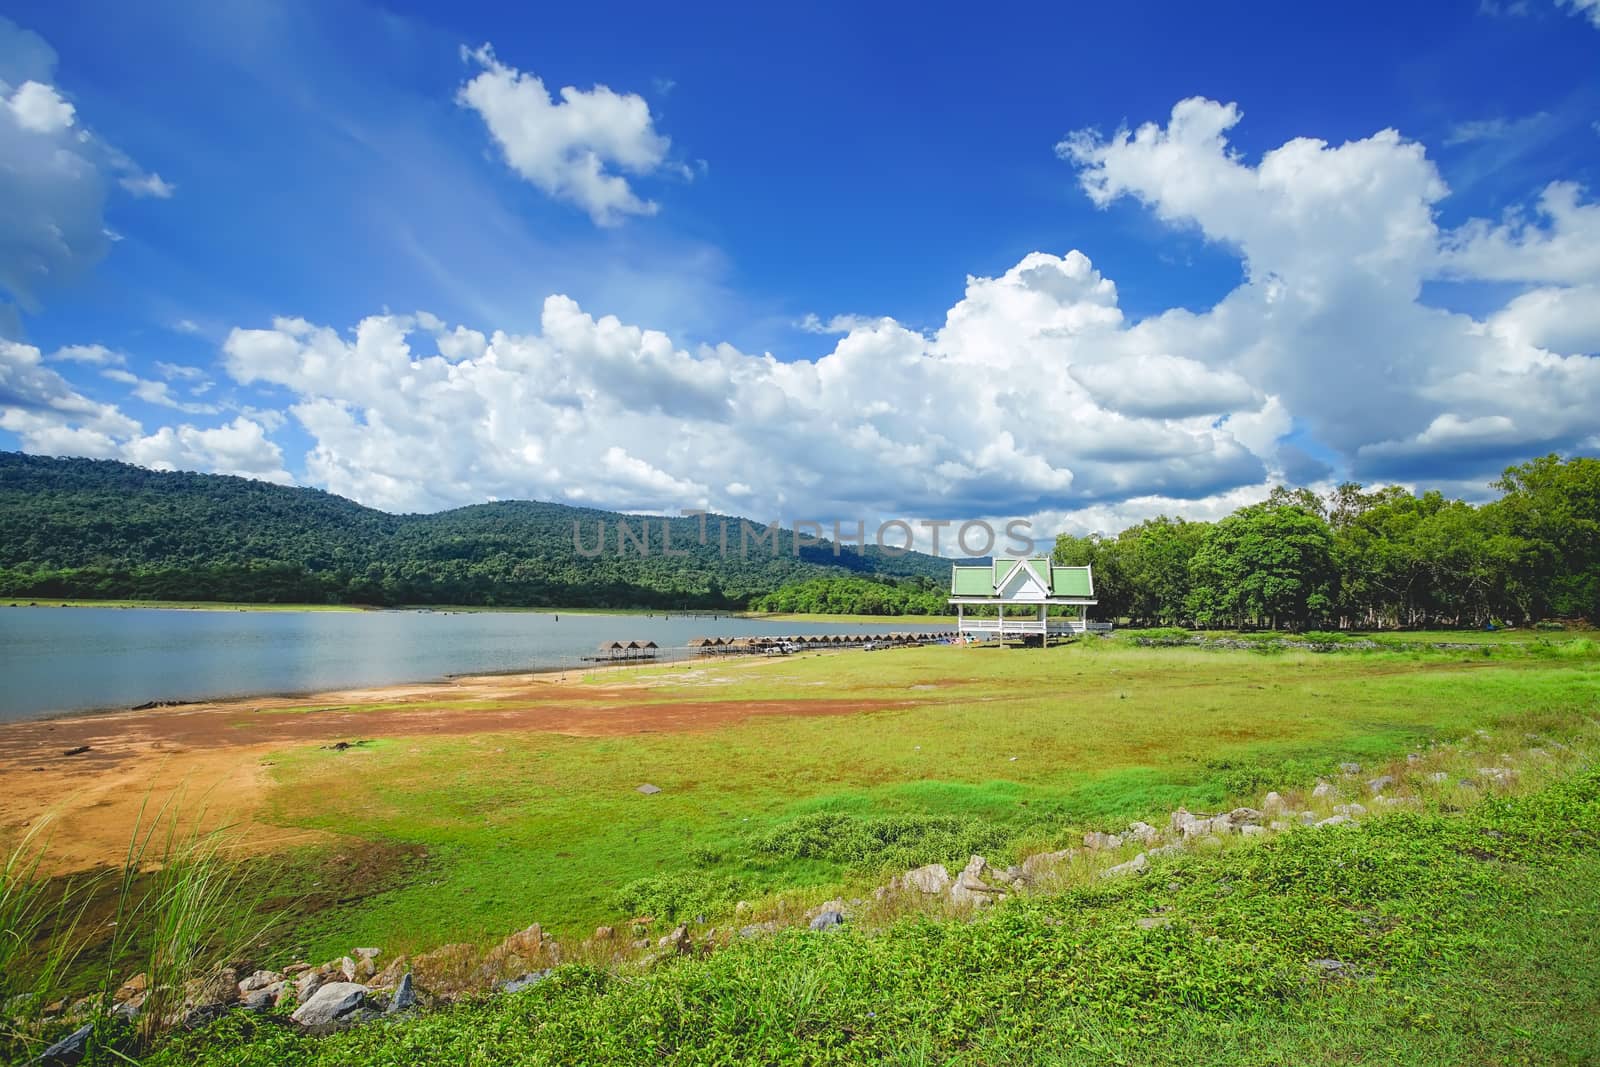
{"x": 331, "y": 1004}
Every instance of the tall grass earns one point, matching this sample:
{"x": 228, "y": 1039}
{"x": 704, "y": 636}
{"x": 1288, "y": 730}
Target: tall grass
{"x": 39, "y": 936}
{"x": 182, "y": 908}
{"x": 185, "y": 910}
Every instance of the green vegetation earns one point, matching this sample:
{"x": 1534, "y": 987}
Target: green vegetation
{"x": 1426, "y": 938}
{"x": 859, "y": 596}
{"x": 1365, "y": 559}
{"x": 1442, "y": 918}
{"x": 97, "y": 529}
{"x": 1020, "y": 749}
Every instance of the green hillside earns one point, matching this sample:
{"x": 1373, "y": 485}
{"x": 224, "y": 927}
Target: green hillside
{"x": 102, "y": 529}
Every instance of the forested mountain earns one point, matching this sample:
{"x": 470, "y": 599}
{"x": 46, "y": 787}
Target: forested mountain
{"x": 98, "y": 528}
{"x": 1365, "y": 558}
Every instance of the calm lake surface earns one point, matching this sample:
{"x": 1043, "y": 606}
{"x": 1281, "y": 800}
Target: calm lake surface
{"x": 56, "y": 660}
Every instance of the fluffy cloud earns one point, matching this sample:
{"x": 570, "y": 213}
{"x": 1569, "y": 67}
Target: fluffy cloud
{"x": 568, "y": 148}
{"x": 240, "y": 447}
{"x": 1336, "y": 242}
{"x": 975, "y": 419}
{"x": 53, "y": 184}
{"x": 1566, "y": 249}
{"x": 1036, "y": 396}
{"x": 51, "y": 417}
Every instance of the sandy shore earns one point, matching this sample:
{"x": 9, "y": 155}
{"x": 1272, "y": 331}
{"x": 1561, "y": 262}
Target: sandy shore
{"x": 219, "y": 753}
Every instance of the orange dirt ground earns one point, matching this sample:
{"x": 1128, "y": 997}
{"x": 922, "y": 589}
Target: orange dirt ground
{"x": 216, "y": 753}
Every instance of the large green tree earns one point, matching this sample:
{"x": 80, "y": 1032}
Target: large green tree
{"x": 1265, "y": 565}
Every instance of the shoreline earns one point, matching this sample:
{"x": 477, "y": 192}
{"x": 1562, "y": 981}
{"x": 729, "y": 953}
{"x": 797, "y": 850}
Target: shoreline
{"x": 443, "y": 609}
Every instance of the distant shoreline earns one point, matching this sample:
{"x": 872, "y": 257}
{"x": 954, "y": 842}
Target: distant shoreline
{"x": 221, "y": 605}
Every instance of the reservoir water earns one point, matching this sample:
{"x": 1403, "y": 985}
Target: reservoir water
{"x": 55, "y": 660}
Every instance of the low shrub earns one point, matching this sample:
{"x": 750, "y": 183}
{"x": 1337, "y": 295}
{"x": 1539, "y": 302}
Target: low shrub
{"x": 882, "y": 843}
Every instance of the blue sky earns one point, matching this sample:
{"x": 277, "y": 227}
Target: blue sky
{"x": 276, "y": 175}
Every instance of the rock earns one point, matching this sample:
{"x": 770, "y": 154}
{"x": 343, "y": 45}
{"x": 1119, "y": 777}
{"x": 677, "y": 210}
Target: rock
{"x": 203, "y": 1015}
{"x": 390, "y": 976}
{"x": 347, "y": 967}
{"x": 757, "y": 929}
{"x": 1272, "y": 802}
{"x": 1144, "y": 832}
{"x": 526, "y": 981}
{"x": 1439, "y": 776}
{"x": 527, "y": 944}
{"x": 1038, "y": 864}
{"x": 1096, "y": 840}
{"x": 1336, "y": 820}
{"x": 1196, "y": 828}
{"x": 1350, "y": 768}
{"x": 1323, "y": 789}
{"x": 1352, "y": 810}
{"x": 828, "y": 920}
{"x": 330, "y": 1005}
{"x": 1307, "y": 818}
{"x": 298, "y": 967}
{"x": 971, "y": 886}
{"x": 932, "y": 879}
{"x": 258, "y": 980}
{"x": 1413, "y": 758}
{"x": 368, "y": 953}
{"x": 678, "y": 940}
{"x": 306, "y": 986}
{"x": 221, "y": 987}
{"x": 1152, "y": 922}
{"x": 1244, "y": 817}
{"x": 405, "y": 996}
{"x": 648, "y": 790}
{"x": 1012, "y": 875}
{"x": 133, "y": 987}
{"x": 1253, "y": 831}
{"x": 1179, "y": 819}
{"x": 68, "y": 1050}
{"x": 1380, "y": 783}
{"x": 264, "y": 999}
{"x": 1331, "y": 968}
{"x": 1133, "y": 866}
{"x": 1280, "y": 825}
{"x": 827, "y": 906}
{"x": 606, "y": 933}
{"x": 1164, "y": 850}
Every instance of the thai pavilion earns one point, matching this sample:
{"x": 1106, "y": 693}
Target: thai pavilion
{"x": 1036, "y": 584}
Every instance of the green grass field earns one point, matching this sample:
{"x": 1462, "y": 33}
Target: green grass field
{"x": 1018, "y": 750}
{"x": 1444, "y": 936}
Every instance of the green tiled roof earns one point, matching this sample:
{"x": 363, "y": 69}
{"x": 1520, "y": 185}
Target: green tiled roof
{"x": 984, "y": 581}
{"x": 971, "y": 581}
{"x": 1071, "y": 581}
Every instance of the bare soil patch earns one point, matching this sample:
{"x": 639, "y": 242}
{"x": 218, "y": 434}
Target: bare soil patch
{"x": 217, "y": 755}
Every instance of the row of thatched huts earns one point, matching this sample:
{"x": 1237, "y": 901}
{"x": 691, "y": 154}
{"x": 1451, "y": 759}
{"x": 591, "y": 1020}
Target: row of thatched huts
{"x": 610, "y": 650}
{"x": 711, "y": 646}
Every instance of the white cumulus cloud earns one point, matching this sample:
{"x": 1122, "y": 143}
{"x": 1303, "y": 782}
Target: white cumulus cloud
{"x": 53, "y": 177}
{"x": 571, "y": 148}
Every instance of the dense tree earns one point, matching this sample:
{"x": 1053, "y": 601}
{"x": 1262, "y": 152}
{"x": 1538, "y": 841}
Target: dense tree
{"x": 1367, "y": 558}
{"x": 1104, "y": 554}
{"x": 1265, "y": 565}
{"x": 98, "y": 529}
{"x": 859, "y": 596}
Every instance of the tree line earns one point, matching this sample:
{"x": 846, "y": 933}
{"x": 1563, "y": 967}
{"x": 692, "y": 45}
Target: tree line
{"x": 858, "y": 596}
{"x": 98, "y": 529}
{"x": 1364, "y": 559}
